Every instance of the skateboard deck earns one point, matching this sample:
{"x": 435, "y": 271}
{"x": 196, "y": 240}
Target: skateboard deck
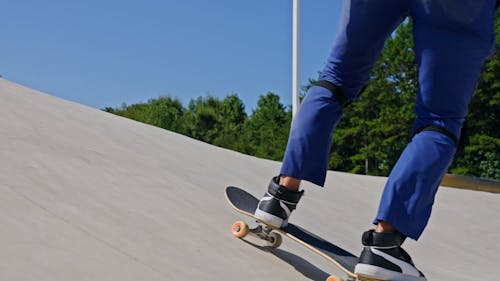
{"x": 246, "y": 203}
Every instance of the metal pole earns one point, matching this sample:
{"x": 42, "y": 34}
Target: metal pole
{"x": 295, "y": 59}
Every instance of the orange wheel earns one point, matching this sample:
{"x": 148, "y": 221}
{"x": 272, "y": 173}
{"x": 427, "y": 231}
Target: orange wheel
{"x": 334, "y": 278}
{"x": 239, "y": 229}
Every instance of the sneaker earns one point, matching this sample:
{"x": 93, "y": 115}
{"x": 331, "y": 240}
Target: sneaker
{"x": 277, "y": 204}
{"x": 383, "y": 258}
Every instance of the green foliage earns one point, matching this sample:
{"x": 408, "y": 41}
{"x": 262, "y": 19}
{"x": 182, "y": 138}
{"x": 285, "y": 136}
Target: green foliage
{"x": 233, "y": 121}
{"x": 166, "y": 113}
{"x": 163, "y": 112}
{"x": 481, "y": 158}
{"x": 202, "y": 118}
{"x": 268, "y": 128}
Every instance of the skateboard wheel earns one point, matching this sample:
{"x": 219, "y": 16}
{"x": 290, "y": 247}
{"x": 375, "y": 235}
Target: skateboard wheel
{"x": 334, "y": 278}
{"x": 240, "y": 229}
{"x": 275, "y": 240}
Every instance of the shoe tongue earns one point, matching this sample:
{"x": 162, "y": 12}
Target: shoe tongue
{"x": 382, "y": 239}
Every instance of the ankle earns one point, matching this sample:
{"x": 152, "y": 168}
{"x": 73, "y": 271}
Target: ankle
{"x": 384, "y": 227}
{"x": 289, "y": 183}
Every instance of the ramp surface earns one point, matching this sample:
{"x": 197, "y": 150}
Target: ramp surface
{"x": 86, "y": 195}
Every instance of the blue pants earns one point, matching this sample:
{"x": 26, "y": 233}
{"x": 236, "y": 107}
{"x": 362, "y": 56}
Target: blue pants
{"x": 452, "y": 40}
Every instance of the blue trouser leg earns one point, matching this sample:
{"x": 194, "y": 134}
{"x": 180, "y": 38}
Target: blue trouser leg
{"x": 452, "y": 40}
{"x": 410, "y": 190}
{"x": 364, "y": 27}
{"x": 309, "y": 143}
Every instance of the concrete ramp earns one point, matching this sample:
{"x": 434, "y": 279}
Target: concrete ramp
{"x": 86, "y": 195}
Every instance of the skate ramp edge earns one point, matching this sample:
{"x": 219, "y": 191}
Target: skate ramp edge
{"x": 471, "y": 183}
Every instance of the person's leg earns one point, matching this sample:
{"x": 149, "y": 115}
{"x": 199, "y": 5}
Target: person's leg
{"x": 363, "y": 29}
{"x": 452, "y": 40}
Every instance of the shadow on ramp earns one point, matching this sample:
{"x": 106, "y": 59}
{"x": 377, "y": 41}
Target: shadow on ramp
{"x": 301, "y": 265}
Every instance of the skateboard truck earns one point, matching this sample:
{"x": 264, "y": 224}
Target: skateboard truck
{"x": 273, "y": 240}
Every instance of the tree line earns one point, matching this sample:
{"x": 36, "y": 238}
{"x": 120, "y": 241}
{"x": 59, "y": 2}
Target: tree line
{"x": 371, "y": 134}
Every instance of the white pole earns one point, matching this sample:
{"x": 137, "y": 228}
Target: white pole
{"x": 295, "y": 59}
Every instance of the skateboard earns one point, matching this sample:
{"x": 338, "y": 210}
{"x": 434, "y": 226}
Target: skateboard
{"x": 245, "y": 203}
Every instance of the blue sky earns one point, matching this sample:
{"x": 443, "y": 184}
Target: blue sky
{"x": 105, "y": 53}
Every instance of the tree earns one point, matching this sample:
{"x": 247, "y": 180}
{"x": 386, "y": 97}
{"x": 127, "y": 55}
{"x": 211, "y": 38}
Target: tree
{"x": 165, "y": 113}
{"x": 233, "y": 120}
{"x": 268, "y": 128}
{"x": 202, "y": 118}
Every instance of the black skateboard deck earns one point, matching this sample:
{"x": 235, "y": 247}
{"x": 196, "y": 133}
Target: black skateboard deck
{"x": 246, "y": 203}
